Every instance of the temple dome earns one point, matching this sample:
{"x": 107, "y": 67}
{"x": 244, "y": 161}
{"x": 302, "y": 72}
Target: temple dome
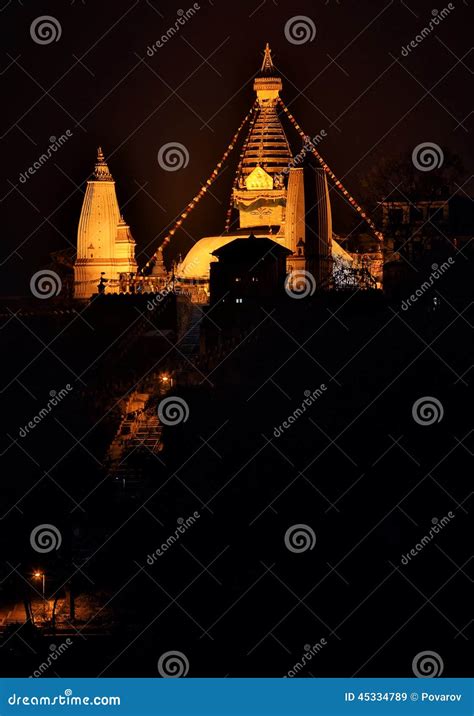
{"x": 196, "y": 264}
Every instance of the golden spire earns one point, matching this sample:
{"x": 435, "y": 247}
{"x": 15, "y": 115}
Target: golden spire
{"x": 267, "y": 64}
{"x": 267, "y": 82}
{"x": 101, "y": 171}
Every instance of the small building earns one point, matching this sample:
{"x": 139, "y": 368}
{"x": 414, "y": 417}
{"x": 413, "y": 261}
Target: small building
{"x": 418, "y": 226}
{"x": 249, "y": 271}
{"x": 421, "y": 233}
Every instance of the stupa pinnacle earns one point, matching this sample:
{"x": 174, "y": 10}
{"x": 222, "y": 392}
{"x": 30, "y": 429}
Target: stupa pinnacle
{"x": 267, "y": 64}
{"x": 267, "y": 83}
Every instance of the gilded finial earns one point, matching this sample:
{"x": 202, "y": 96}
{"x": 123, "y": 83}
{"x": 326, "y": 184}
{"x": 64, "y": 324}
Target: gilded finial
{"x": 267, "y": 64}
{"x": 101, "y": 172}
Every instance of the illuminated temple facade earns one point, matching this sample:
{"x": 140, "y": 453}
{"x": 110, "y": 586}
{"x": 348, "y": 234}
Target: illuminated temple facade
{"x": 105, "y": 246}
{"x": 274, "y": 196}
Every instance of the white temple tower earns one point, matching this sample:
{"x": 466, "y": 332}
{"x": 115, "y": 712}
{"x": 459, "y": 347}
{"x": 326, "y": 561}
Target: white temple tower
{"x": 104, "y": 242}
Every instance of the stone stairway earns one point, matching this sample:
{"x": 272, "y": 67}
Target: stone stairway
{"x": 147, "y": 434}
{"x": 137, "y": 436}
{"x": 189, "y": 344}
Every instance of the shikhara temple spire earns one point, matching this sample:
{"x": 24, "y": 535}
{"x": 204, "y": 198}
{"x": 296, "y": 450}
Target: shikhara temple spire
{"x": 101, "y": 171}
{"x": 105, "y": 245}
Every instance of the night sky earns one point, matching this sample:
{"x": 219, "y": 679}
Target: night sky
{"x": 98, "y": 82}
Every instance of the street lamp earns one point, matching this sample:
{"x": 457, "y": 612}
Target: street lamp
{"x": 42, "y": 576}
{"x": 166, "y": 379}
